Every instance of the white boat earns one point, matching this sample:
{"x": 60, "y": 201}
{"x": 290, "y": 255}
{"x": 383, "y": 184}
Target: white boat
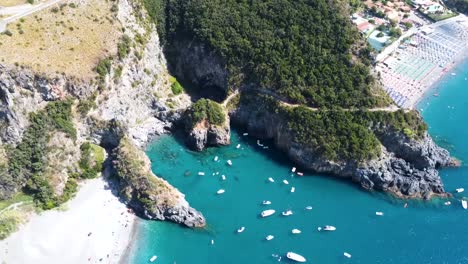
{"x": 300, "y": 174}
{"x": 223, "y": 177}
{"x": 245, "y": 134}
{"x": 266, "y": 202}
{"x": 329, "y": 228}
{"x": 346, "y": 254}
{"x": 293, "y": 169}
{"x": 220, "y": 191}
{"x": 459, "y": 190}
{"x": 269, "y": 237}
{"x": 379, "y": 213}
{"x": 448, "y": 203}
{"x": 319, "y": 228}
{"x": 201, "y": 173}
{"x": 285, "y": 182}
{"x": 153, "y": 258}
{"x": 464, "y": 204}
{"x": 259, "y": 144}
{"x": 296, "y": 257}
{"x": 229, "y": 162}
{"x": 268, "y": 212}
{"x": 271, "y": 179}
{"x": 238, "y": 146}
{"x": 308, "y": 208}
{"x": 216, "y": 158}
{"x": 454, "y": 74}
{"x": 296, "y": 231}
{"x": 212, "y": 242}
{"x": 293, "y": 189}
{"x": 240, "y": 230}
{"x": 287, "y": 213}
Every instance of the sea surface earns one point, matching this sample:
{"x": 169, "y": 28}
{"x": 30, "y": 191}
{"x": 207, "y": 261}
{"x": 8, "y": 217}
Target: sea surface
{"x": 425, "y": 232}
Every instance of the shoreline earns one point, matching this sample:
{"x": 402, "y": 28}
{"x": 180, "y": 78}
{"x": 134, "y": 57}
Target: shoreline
{"x": 435, "y": 85}
{"x": 95, "y": 228}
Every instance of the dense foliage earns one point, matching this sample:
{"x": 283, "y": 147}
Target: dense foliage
{"x": 27, "y": 160}
{"x": 298, "y": 48}
{"x": 205, "y": 109}
{"x": 92, "y": 158}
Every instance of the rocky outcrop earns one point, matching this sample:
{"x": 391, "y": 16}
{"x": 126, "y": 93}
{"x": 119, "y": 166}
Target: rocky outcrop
{"x": 406, "y": 168}
{"x": 150, "y": 196}
{"x": 204, "y": 135}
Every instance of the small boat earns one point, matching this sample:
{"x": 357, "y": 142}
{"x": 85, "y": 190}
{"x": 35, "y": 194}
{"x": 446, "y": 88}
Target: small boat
{"x": 319, "y": 228}
{"x": 240, "y": 230}
{"x": 259, "y": 144}
{"x": 448, "y": 203}
{"x": 293, "y": 189}
{"x": 266, "y": 202}
{"x": 459, "y": 190}
{"x": 453, "y": 74}
{"x": 216, "y": 158}
{"x": 329, "y": 228}
{"x": 300, "y": 174}
{"x": 269, "y": 237}
{"x": 268, "y": 212}
{"x": 295, "y": 257}
{"x": 220, "y": 191}
{"x": 287, "y": 213}
{"x": 308, "y": 207}
{"x": 212, "y": 242}
{"x": 379, "y": 213}
{"x": 285, "y": 182}
{"x": 293, "y": 169}
{"x": 201, "y": 173}
{"x": 271, "y": 179}
{"x": 464, "y": 204}
{"x": 436, "y": 95}
{"x": 346, "y": 254}
{"x": 153, "y": 258}
{"x": 296, "y": 231}
{"x": 245, "y": 134}
{"x": 229, "y": 162}
{"x": 223, "y": 177}
{"x": 238, "y": 146}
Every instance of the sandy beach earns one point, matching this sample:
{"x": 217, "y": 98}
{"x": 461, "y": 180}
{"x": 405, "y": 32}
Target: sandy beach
{"x": 95, "y": 228}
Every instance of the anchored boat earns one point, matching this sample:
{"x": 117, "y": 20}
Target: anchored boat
{"x": 296, "y": 257}
{"x": 268, "y": 212}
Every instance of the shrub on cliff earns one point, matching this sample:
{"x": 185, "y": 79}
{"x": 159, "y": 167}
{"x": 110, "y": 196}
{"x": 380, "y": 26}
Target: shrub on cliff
{"x": 92, "y": 158}
{"x": 206, "y": 109}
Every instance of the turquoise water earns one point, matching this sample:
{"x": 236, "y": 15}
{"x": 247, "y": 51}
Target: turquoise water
{"x": 425, "y": 232}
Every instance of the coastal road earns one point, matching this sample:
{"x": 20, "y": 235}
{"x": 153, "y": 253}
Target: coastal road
{"x": 23, "y": 11}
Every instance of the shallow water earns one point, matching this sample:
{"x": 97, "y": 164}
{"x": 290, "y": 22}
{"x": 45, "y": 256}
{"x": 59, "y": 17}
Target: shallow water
{"x": 425, "y": 232}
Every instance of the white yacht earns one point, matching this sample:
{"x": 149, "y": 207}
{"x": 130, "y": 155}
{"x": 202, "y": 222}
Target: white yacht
{"x": 329, "y": 228}
{"x": 346, "y": 254}
{"x": 379, "y": 213}
{"x": 238, "y": 146}
{"x": 229, "y": 162}
{"x": 271, "y": 179}
{"x": 266, "y": 202}
{"x": 268, "y": 212}
{"x": 269, "y": 237}
{"x": 223, "y": 177}
{"x": 308, "y": 207}
{"x": 293, "y": 169}
{"x": 216, "y": 158}
{"x": 464, "y": 204}
{"x": 245, "y": 134}
{"x": 296, "y": 257}
{"x": 296, "y": 231}
{"x": 153, "y": 258}
{"x": 285, "y": 182}
{"x": 220, "y": 191}
{"x": 201, "y": 173}
{"x": 293, "y": 189}
{"x": 287, "y": 213}
{"x": 447, "y": 203}
{"x": 459, "y": 190}
{"x": 240, "y": 230}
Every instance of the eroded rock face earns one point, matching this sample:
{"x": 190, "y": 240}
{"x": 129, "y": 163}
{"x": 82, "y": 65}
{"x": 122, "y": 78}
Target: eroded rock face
{"x": 204, "y": 135}
{"x": 406, "y": 168}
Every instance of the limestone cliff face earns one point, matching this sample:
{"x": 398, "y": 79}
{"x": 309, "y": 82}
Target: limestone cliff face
{"x": 406, "y": 168}
{"x": 133, "y": 101}
{"x": 204, "y": 135}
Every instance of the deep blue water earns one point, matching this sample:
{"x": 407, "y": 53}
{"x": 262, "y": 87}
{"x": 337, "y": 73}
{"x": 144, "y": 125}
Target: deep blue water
{"x": 425, "y": 232}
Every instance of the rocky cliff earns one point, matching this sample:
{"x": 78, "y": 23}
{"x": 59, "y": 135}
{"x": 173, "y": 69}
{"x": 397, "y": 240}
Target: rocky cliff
{"x": 405, "y": 167}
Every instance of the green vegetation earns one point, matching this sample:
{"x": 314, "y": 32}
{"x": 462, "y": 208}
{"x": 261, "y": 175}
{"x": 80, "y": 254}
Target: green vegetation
{"x": 205, "y": 109}
{"x": 123, "y": 48}
{"x": 19, "y": 197}
{"x": 104, "y": 67}
{"x": 299, "y": 49}
{"x": 9, "y": 222}
{"x": 92, "y": 158}
{"x": 27, "y": 160}
{"x": 86, "y": 105}
{"x": 176, "y": 87}
{"x": 459, "y": 5}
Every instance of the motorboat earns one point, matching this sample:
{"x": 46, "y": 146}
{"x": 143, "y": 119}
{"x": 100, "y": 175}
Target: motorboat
{"x": 245, "y": 134}
{"x": 271, "y": 179}
{"x": 240, "y": 230}
{"x": 269, "y": 237}
{"x": 293, "y": 169}
{"x": 296, "y": 231}
{"x": 285, "y": 182}
{"x": 229, "y": 162}
{"x": 329, "y": 228}
{"x": 300, "y": 174}
{"x": 220, "y": 191}
{"x": 447, "y": 203}
{"x": 346, "y": 254}
{"x": 296, "y": 257}
{"x": 266, "y": 202}
{"x": 238, "y": 146}
{"x": 153, "y": 258}
{"x": 268, "y": 212}
{"x": 464, "y": 204}
{"x": 212, "y": 242}
{"x": 379, "y": 213}
{"x": 459, "y": 190}
{"x": 223, "y": 177}
{"x": 201, "y": 173}
{"x": 287, "y": 213}
{"x": 308, "y": 207}
{"x": 293, "y": 189}
{"x": 216, "y": 158}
